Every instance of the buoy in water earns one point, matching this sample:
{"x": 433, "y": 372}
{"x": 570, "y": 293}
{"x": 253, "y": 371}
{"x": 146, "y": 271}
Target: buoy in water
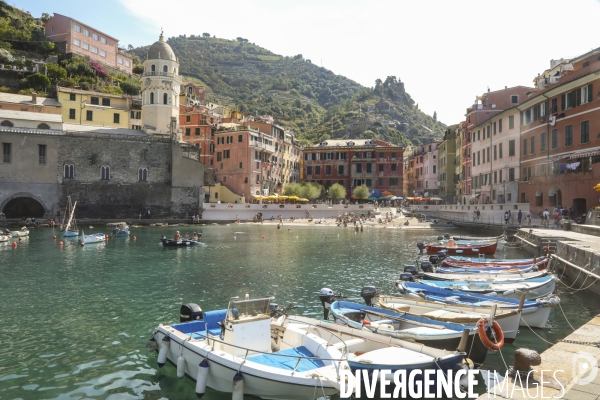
{"x": 134, "y": 238}
{"x": 263, "y": 237}
{"x": 14, "y": 244}
{"x": 162, "y": 353}
{"x": 54, "y": 237}
{"x": 238, "y": 387}
{"x": 180, "y": 367}
{"x": 201, "y": 378}
{"x": 60, "y": 243}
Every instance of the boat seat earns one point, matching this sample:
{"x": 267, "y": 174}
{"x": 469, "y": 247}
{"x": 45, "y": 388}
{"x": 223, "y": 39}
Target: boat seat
{"x": 212, "y": 318}
{"x": 279, "y": 359}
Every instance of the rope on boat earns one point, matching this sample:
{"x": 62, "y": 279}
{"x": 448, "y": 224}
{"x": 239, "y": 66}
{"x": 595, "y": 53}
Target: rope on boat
{"x": 566, "y": 319}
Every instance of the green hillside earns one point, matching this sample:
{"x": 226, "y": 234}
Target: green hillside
{"x": 313, "y": 101}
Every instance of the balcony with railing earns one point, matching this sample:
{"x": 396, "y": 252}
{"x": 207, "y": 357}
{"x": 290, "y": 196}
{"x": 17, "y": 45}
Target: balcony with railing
{"x": 157, "y": 73}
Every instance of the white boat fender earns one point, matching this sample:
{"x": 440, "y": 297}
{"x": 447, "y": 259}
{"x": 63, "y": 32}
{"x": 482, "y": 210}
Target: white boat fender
{"x": 201, "y": 378}
{"x": 180, "y": 367}
{"x": 508, "y": 292}
{"x": 162, "y": 353}
{"x": 554, "y": 300}
{"x": 238, "y": 387}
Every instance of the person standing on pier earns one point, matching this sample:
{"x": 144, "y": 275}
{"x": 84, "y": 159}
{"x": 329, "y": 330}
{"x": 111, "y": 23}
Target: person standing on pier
{"x": 519, "y": 217}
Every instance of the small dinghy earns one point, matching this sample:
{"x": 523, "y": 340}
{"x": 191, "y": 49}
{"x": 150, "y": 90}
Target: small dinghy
{"x": 453, "y": 248}
{"x": 21, "y": 232}
{"x": 93, "y": 238}
{"x": 122, "y": 229}
{"x": 400, "y": 325}
{"x": 533, "y": 288}
{"x": 232, "y": 351}
{"x": 534, "y": 313}
{"x": 480, "y": 276}
{"x": 539, "y": 264}
{"x": 509, "y": 261}
{"x": 5, "y": 236}
{"x": 519, "y": 269}
{"x": 178, "y": 243}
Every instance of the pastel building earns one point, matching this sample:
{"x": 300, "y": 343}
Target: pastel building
{"x": 426, "y": 170}
{"x": 75, "y": 37}
{"x": 85, "y": 107}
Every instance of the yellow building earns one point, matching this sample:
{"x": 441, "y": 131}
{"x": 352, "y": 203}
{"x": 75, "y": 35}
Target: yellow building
{"x": 93, "y": 108}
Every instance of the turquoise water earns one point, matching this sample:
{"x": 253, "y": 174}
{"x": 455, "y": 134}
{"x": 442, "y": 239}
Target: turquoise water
{"x": 75, "y": 320}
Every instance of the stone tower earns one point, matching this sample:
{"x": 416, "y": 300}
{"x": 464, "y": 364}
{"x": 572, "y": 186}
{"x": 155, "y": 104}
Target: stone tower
{"x": 161, "y": 84}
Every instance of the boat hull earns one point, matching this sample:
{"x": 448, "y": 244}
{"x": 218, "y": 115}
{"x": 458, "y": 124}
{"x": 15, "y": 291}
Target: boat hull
{"x": 179, "y": 243}
{"x": 70, "y": 233}
{"x": 482, "y": 276}
{"x": 222, "y": 370}
{"x": 540, "y": 265}
{"x": 92, "y": 239}
{"x": 463, "y": 250}
{"x": 533, "y": 288}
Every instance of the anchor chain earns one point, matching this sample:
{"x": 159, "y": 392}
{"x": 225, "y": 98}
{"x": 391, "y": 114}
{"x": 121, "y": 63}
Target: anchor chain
{"x": 597, "y": 344}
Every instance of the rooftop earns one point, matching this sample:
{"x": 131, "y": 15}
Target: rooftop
{"x": 92, "y": 129}
{"x": 80, "y": 91}
{"x": 30, "y": 116}
{"x": 23, "y": 99}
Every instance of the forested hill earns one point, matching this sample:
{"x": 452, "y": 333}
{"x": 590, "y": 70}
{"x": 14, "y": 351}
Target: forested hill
{"x": 313, "y": 101}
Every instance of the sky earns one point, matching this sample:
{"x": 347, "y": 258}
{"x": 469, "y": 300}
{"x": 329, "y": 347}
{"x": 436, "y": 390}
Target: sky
{"x": 445, "y": 51}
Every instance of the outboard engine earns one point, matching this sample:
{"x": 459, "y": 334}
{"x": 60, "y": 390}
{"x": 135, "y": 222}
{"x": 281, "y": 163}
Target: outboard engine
{"x": 327, "y": 297}
{"x": 421, "y": 247}
{"x": 406, "y": 277}
{"x": 426, "y": 266}
{"x": 440, "y": 237}
{"x": 446, "y": 236}
{"x": 190, "y": 312}
{"x": 411, "y": 269}
{"x": 434, "y": 259}
{"x": 442, "y": 254}
{"x": 368, "y": 293}
{"x": 273, "y": 309}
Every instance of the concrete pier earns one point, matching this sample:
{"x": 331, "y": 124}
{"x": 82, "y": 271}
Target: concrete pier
{"x": 565, "y": 361}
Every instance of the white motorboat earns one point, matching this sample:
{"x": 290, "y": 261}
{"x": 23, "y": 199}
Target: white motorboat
{"x": 5, "y": 237}
{"x": 21, "y": 232}
{"x": 534, "y": 313}
{"x": 483, "y": 277}
{"x": 232, "y": 351}
{"x": 93, "y": 238}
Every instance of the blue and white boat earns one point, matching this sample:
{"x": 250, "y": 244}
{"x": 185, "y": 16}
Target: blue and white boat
{"x": 487, "y": 270}
{"x": 510, "y": 261}
{"x": 533, "y": 288}
{"x": 232, "y": 351}
{"x": 122, "y": 229}
{"x": 370, "y": 351}
{"x": 70, "y": 228}
{"x": 93, "y": 238}
{"x": 399, "y": 325}
{"x": 483, "y": 276}
{"x": 534, "y": 313}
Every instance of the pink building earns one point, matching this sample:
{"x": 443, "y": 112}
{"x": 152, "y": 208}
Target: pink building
{"x": 79, "y": 38}
{"x": 425, "y": 159}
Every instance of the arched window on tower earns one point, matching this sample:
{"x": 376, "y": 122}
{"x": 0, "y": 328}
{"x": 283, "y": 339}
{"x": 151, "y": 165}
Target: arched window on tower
{"x": 165, "y": 98}
{"x": 165, "y": 68}
{"x": 69, "y": 171}
{"x": 153, "y": 68}
{"x": 105, "y": 173}
{"x": 143, "y": 174}
{"x": 151, "y": 97}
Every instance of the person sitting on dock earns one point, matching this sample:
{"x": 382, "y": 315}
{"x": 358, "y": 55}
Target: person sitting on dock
{"x": 177, "y": 236}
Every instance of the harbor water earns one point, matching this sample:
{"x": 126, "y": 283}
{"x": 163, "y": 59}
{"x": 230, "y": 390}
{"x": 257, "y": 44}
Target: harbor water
{"x": 75, "y": 320}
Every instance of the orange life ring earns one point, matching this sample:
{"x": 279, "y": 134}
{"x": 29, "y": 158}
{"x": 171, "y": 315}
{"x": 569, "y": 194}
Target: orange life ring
{"x": 497, "y": 331}
{"x": 365, "y": 322}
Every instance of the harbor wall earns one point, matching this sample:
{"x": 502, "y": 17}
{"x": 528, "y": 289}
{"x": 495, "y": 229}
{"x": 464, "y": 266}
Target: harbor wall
{"x": 229, "y": 211}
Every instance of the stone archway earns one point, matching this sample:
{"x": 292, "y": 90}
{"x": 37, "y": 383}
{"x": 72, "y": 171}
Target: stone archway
{"x": 23, "y": 205}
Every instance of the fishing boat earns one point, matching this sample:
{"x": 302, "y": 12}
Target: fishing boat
{"x": 5, "y": 235}
{"x": 486, "y": 270}
{"x": 484, "y": 276}
{"x": 21, "y": 232}
{"x": 93, "y": 238}
{"x": 508, "y": 319}
{"x": 70, "y": 228}
{"x": 370, "y": 351}
{"x": 510, "y": 261}
{"x": 401, "y": 325}
{"x": 178, "y": 243}
{"x": 232, "y": 351}
{"x": 449, "y": 248}
{"x": 534, "y": 313}
{"x": 533, "y": 288}
{"x": 500, "y": 246}
{"x": 122, "y": 229}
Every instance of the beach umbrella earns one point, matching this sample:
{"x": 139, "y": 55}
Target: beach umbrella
{"x": 386, "y": 193}
{"x": 372, "y": 198}
{"x": 375, "y": 193}
{"x": 303, "y": 200}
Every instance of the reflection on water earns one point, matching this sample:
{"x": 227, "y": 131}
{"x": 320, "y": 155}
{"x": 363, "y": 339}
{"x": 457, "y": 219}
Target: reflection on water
{"x": 76, "y": 319}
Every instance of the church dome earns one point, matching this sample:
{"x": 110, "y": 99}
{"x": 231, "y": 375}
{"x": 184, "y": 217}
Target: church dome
{"x": 161, "y": 50}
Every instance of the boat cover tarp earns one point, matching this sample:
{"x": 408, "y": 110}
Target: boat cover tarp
{"x": 282, "y": 362}
{"x": 210, "y": 317}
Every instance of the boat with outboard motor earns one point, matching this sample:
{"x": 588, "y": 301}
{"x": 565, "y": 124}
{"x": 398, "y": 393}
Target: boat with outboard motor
{"x": 498, "y": 261}
{"x": 232, "y": 351}
{"x": 121, "y": 229}
{"x": 479, "y": 276}
{"x": 534, "y": 313}
{"x": 21, "y": 232}
{"x": 91, "y": 239}
{"x": 401, "y": 325}
{"x": 533, "y": 288}
{"x": 453, "y": 248}
{"x": 178, "y": 243}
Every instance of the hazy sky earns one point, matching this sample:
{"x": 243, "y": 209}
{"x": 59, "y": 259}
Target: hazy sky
{"x": 446, "y": 52}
